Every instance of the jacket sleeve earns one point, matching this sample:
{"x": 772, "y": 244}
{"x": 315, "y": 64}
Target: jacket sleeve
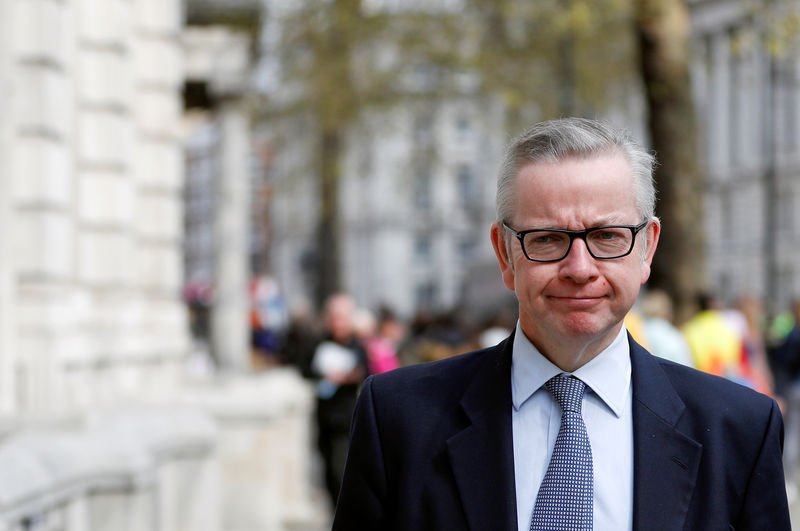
{"x": 765, "y": 505}
{"x": 362, "y": 499}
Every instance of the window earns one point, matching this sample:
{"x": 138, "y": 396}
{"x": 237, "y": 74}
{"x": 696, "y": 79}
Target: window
{"x": 466, "y": 249}
{"x": 423, "y": 126}
{"x": 422, "y": 191}
{"x": 465, "y": 181}
{"x": 786, "y": 211}
{"x": 422, "y": 248}
{"x": 463, "y": 128}
{"x": 426, "y": 295}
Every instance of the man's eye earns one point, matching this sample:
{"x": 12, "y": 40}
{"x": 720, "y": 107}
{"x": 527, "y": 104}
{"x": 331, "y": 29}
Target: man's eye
{"x": 607, "y": 235}
{"x": 547, "y": 237}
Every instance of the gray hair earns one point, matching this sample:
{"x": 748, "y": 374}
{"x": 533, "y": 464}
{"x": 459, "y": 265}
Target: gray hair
{"x": 557, "y": 140}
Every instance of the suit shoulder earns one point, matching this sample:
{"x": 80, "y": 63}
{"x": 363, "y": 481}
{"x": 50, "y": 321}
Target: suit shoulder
{"x": 437, "y": 384}
{"x": 422, "y": 374}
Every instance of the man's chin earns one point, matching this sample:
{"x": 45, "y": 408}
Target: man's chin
{"x": 584, "y": 325}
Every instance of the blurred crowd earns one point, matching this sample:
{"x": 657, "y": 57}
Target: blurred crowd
{"x": 388, "y": 340}
{"x": 737, "y": 341}
{"x": 337, "y": 346}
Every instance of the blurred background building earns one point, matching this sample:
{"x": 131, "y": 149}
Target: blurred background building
{"x": 416, "y": 191}
{"x": 744, "y": 74}
{"x": 415, "y": 202}
{"x": 415, "y": 163}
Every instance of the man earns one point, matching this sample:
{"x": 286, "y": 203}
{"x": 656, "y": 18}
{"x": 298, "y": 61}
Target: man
{"x": 466, "y": 443}
{"x": 339, "y": 364}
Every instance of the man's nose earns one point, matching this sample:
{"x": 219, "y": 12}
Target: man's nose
{"x": 579, "y": 265}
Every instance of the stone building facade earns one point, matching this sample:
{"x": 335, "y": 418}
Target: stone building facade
{"x": 100, "y": 426}
{"x": 91, "y": 201}
{"x": 746, "y": 90}
{"x": 416, "y": 201}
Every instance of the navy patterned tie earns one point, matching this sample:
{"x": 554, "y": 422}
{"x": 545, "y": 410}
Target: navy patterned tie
{"x": 564, "y": 501}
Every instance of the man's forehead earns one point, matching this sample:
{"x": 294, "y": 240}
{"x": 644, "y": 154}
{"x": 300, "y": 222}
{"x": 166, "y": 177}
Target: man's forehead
{"x": 593, "y": 158}
{"x": 611, "y": 169}
{"x": 589, "y": 191}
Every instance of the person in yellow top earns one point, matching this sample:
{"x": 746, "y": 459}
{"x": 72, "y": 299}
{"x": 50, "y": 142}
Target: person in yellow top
{"x": 716, "y": 346}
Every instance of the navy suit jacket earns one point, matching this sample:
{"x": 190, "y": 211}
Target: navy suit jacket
{"x": 431, "y": 449}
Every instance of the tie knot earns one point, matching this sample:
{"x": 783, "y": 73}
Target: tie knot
{"x": 568, "y": 392}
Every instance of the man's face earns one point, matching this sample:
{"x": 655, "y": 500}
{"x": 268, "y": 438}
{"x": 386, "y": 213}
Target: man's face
{"x": 579, "y": 300}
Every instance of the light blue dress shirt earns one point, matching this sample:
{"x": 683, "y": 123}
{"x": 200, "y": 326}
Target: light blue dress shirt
{"x": 536, "y": 418}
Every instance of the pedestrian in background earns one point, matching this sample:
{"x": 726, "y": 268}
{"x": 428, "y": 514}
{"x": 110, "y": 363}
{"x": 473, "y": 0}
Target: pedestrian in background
{"x": 716, "y": 345}
{"x": 338, "y": 364}
{"x": 664, "y": 339}
{"x": 383, "y": 345}
{"x": 755, "y": 364}
{"x": 787, "y": 354}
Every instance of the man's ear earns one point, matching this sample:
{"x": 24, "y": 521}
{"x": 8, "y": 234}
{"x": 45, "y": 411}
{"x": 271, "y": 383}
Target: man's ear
{"x": 652, "y": 234}
{"x": 501, "y": 250}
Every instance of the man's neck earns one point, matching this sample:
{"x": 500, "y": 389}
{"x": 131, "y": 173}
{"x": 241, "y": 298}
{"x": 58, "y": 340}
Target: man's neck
{"x": 570, "y": 354}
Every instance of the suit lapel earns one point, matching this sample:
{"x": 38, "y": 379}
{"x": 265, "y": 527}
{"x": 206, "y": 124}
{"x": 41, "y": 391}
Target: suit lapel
{"x": 665, "y": 461}
{"x": 482, "y": 454}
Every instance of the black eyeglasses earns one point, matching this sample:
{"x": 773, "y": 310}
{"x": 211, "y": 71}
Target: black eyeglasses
{"x": 551, "y": 245}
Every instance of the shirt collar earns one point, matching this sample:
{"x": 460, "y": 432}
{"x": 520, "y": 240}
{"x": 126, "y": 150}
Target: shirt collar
{"x": 608, "y": 375}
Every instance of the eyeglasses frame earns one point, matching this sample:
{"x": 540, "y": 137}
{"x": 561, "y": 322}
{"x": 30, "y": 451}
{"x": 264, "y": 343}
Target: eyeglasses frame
{"x": 635, "y": 229}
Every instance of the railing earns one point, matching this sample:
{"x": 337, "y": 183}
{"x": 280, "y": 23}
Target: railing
{"x": 230, "y": 454}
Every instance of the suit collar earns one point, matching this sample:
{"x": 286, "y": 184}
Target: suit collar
{"x": 482, "y": 454}
{"x": 665, "y": 461}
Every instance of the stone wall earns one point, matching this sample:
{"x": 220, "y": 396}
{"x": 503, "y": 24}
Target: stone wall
{"x": 91, "y": 201}
{"x": 230, "y": 454}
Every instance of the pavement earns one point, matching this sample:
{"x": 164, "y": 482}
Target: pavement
{"x": 793, "y": 494}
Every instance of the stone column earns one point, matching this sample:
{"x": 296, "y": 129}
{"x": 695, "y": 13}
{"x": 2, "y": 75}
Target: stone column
{"x": 229, "y": 318}
{"x": 104, "y": 195}
{"x": 719, "y": 101}
{"x": 42, "y": 190}
{"x": 159, "y": 323}
{"x": 7, "y": 102}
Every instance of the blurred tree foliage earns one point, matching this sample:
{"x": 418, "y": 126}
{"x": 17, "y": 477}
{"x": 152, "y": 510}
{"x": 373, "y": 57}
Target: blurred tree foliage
{"x": 554, "y": 58}
{"x": 540, "y": 59}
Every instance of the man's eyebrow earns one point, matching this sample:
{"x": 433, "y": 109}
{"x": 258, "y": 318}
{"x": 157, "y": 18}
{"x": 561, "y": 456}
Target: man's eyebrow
{"x": 612, "y": 220}
{"x": 604, "y": 222}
